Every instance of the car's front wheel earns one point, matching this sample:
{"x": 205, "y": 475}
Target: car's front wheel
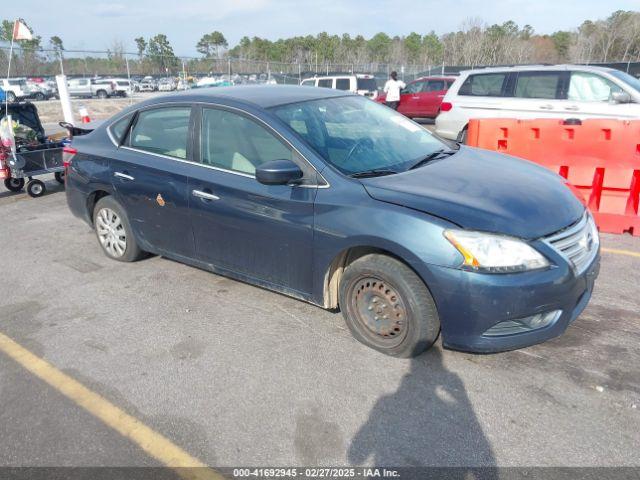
{"x": 387, "y": 306}
{"x": 114, "y": 231}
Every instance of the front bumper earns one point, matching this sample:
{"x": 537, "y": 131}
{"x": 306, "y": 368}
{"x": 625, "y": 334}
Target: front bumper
{"x": 470, "y": 303}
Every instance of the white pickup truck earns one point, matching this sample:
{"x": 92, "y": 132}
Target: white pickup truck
{"x": 88, "y": 87}
{"x": 15, "y": 89}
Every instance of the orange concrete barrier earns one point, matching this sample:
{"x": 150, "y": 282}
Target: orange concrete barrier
{"x": 600, "y": 157}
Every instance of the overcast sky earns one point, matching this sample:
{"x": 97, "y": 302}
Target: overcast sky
{"x": 95, "y": 24}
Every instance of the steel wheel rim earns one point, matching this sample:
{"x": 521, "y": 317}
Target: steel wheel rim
{"x": 36, "y": 189}
{"x": 111, "y": 232}
{"x": 379, "y": 310}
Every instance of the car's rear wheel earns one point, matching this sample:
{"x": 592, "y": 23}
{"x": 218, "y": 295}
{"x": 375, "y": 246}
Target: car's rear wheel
{"x": 114, "y": 231}
{"x": 101, "y": 94}
{"x": 388, "y": 307}
{"x": 39, "y": 96}
{"x": 463, "y": 136}
{"x": 11, "y": 97}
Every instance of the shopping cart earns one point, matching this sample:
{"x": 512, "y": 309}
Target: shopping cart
{"x": 35, "y": 157}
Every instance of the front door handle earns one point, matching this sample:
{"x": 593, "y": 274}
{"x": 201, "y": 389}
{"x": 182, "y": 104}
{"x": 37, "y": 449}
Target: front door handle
{"x": 573, "y": 108}
{"x": 123, "y": 176}
{"x": 205, "y": 195}
{"x": 546, "y": 107}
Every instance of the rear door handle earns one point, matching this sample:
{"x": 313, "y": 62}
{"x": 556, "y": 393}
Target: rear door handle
{"x": 123, "y": 176}
{"x": 573, "y": 108}
{"x": 205, "y": 195}
{"x": 546, "y": 107}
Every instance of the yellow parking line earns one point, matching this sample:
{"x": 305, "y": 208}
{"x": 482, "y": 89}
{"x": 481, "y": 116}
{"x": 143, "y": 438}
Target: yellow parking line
{"x": 156, "y": 445}
{"x": 621, "y": 252}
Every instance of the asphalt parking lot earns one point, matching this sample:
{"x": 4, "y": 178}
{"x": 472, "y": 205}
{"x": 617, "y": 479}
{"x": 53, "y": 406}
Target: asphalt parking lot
{"x": 236, "y": 375}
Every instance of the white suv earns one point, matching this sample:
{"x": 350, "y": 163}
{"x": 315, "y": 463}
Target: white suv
{"x": 361, "y": 84}
{"x": 560, "y": 91}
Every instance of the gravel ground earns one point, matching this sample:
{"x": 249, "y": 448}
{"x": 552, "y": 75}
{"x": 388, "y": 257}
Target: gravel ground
{"x": 237, "y": 375}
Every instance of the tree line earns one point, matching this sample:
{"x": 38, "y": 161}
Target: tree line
{"x": 612, "y": 39}
{"x": 615, "y": 38}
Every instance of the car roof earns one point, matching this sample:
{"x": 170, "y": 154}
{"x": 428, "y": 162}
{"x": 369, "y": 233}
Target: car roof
{"x": 264, "y": 96}
{"x": 434, "y": 77}
{"x": 342, "y": 75}
{"x": 526, "y": 68}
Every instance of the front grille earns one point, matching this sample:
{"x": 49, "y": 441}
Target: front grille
{"x": 577, "y": 243}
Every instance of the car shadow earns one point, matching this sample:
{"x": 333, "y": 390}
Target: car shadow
{"x": 51, "y": 186}
{"x": 427, "y": 422}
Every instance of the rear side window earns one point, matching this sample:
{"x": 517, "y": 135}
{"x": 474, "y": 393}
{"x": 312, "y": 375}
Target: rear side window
{"x": 162, "y": 130}
{"x": 588, "y": 87}
{"x": 483, "y": 85}
{"x": 308, "y": 83}
{"x": 343, "y": 84}
{"x": 119, "y": 128}
{"x": 325, "y": 82}
{"x": 538, "y": 85}
{"x": 367, "y": 84}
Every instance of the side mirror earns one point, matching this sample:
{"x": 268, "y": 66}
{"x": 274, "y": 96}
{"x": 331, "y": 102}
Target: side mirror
{"x": 278, "y": 172}
{"x": 621, "y": 97}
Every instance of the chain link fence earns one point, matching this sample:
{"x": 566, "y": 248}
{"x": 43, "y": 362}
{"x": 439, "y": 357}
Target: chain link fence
{"x": 93, "y": 63}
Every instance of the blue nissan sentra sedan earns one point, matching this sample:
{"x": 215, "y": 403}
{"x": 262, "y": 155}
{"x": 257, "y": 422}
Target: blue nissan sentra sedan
{"x": 344, "y": 203}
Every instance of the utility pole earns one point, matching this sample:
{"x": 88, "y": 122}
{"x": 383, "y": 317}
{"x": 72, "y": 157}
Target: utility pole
{"x": 61, "y": 64}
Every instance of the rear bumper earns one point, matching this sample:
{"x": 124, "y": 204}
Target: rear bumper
{"x": 471, "y": 303}
{"x": 448, "y": 125}
{"x": 77, "y": 198}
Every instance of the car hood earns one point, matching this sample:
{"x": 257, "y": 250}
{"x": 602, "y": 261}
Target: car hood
{"x": 483, "y": 190}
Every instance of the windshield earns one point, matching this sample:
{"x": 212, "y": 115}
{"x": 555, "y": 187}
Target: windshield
{"x": 355, "y": 134}
{"x": 633, "y": 82}
{"x": 367, "y": 84}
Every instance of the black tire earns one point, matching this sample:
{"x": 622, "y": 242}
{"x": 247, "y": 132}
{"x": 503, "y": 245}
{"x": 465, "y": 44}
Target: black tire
{"x": 102, "y": 94}
{"x": 14, "y": 184}
{"x": 132, "y": 251}
{"x": 375, "y": 287}
{"x": 462, "y": 136}
{"x": 11, "y": 97}
{"x": 36, "y": 188}
{"x": 59, "y": 177}
{"x": 39, "y": 96}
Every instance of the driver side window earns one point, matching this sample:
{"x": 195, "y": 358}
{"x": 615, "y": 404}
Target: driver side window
{"x": 414, "y": 87}
{"x": 588, "y": 87}
{"x": 234, "y": 142}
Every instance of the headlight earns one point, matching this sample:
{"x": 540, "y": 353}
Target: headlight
{"x": 495, "y": 253}
{"x": 595, "y": 236}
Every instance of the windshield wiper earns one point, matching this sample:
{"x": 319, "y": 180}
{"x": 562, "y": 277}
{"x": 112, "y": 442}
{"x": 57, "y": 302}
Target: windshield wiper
{"x": 374, "y": 172}
{"x": 433, "y": 156}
